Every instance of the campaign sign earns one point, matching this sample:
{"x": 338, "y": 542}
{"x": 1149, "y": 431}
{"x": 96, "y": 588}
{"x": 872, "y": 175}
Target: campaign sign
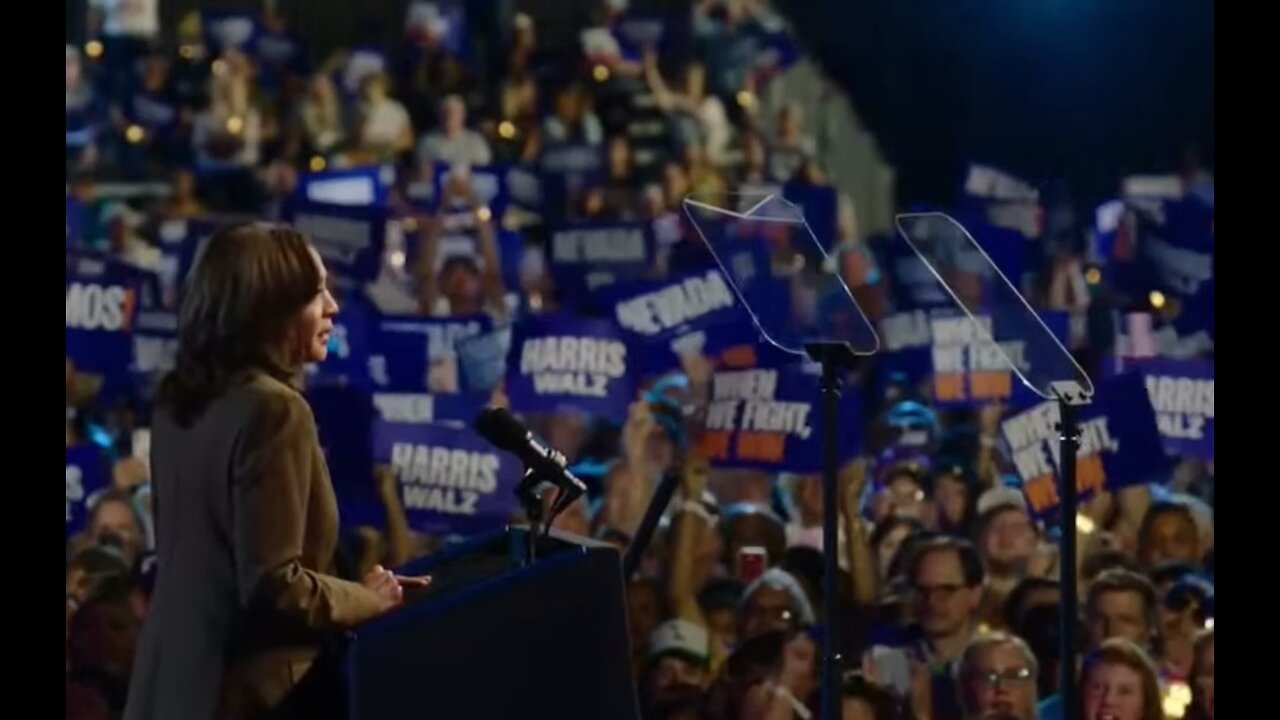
{"x": 356, "y": 186}
{"x": 969, "y": 369}
{"x": 562, "y": 362}
{"x": 1181, "y": 392}
{"x": 103, "y": 299}
{"x": 586, "y": 257}
{"x": 770, "y": 418}
{"x": 450, "y": 480}
{"x": 86, "y": 477}
{"x": 1120, "y": 444}
{"x": 423, "y": 408}
{"x": 155, "y": 348}
{"x": 665, "y": 316}
{"x": 349, "y": 238}
{"x": 413, "y": 353}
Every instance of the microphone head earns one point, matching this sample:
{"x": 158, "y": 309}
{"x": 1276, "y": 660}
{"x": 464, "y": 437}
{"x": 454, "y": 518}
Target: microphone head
{"x": 500, "y": 427}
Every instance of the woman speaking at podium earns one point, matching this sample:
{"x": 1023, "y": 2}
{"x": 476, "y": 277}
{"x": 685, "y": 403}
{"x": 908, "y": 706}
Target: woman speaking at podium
{"x": 246, "y": 518}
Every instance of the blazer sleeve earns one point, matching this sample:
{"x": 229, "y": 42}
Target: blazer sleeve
{"x": 272, "y": 472}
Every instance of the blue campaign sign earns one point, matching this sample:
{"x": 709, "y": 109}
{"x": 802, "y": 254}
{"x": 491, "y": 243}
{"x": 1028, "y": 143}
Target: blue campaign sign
{"x": 86, "y": 478}
{"x": 424, "y": 408}
{"x": 351, "y": 239}
{"x": 450, "y": 480}
{"x": 562, "y": 362}
{"x": 155, "y": 349}
{"x": 968, "y": 370}
{"x": 589, "y": 256}
{"x": 768, "y": 418}
{"x": 1181, "y": 392}
{"x": 350, "y": 346}
{"x": 103, "y": 299}
{"x": 1120, "y": 444}
{"x": 669, "y": 317}
{"x": 355, "y": 187}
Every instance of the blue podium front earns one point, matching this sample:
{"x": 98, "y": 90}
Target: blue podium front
{"x": 495, "y": 637}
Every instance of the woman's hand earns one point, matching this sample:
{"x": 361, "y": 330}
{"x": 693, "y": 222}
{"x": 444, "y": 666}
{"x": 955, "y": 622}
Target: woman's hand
{"x": 389, "y": 587}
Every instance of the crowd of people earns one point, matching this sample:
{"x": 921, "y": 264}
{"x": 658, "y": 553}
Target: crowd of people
{"x": 950, "y": 581}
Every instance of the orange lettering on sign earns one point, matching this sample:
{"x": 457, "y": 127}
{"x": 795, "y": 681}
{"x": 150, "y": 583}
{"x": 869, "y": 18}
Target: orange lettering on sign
{"x": 1041, "y": 492}
{"x": 948, "y": 387}
{"x": 761, "y": 446}
{"x": 739, "y": 356}
{"x": 714, "y": 445}
{"x": 991, "y": 385}
{"x": 1090, "y": 475}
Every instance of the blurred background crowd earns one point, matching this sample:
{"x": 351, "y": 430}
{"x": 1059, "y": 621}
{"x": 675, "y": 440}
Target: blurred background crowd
{"x": 443, "y": 155}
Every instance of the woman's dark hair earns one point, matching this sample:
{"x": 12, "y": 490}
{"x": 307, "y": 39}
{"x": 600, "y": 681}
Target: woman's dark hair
{"x": 249, "y": 282}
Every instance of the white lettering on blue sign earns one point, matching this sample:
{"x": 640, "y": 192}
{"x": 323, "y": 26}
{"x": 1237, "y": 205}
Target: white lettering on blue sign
{"x": 94, "y": 307}
{"x": 405, "y": 407}
{"x": 901, "y": 331}
{"x": 1033, "y": 432}
{"x": 1182, "y": 405}
{"x": 744, "y": 385}
{"x": 598, "y": 245}
{"x": 446, "y": 480}
{"x": 574, "y": 354}
{"x": 675, "y": 305}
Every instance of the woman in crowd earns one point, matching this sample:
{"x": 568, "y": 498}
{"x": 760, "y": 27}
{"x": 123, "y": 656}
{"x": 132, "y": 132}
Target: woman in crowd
{"x": 1118, "y": 682}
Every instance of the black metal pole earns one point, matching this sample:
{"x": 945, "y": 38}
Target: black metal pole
{"x": 1068, "y": 444}
{"x": 657, "y": 505}
{"x": 830, "y": 540}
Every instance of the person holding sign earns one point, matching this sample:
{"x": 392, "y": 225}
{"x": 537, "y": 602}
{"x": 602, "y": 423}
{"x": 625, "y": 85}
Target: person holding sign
{"x": 243, "y": 602}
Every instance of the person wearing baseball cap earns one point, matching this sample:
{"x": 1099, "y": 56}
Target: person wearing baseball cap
{"x": 1006, "y": 539}
{"x": 677, "y": 672}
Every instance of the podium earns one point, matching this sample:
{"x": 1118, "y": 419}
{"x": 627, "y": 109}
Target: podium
{"x": 494, "y": 637}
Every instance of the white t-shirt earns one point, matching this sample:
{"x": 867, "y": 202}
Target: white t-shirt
{"x": 384, "y": 123}
{"x": 129, "y": 18}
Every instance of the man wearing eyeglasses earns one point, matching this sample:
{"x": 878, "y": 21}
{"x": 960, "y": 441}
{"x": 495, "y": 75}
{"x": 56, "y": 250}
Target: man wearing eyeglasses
{"x": 996, "y": 677}
{"x": 947, "y": 581}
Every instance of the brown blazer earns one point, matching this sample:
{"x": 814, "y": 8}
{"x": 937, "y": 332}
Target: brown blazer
{"x": 246, "y": 526}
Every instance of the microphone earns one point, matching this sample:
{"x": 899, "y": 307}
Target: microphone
{"x": 505, "y": 432}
